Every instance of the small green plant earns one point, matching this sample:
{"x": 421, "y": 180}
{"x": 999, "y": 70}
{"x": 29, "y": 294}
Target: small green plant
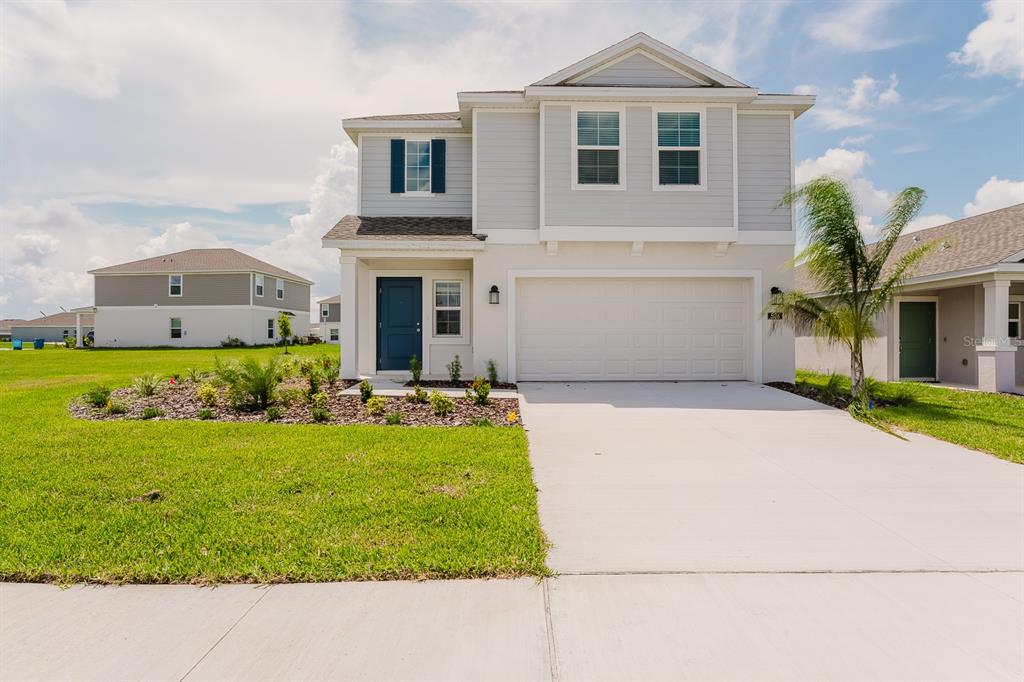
{"x": 195, "y": 375}
{"x": 273, "y": 413}
{"x": 376, "y": 405}
{"x": 284, "y": 328}
{"x": 478, "y": 391}
{"x": 492, "y": 372}
{"x": 290, "y": 396}
{"x": 207, "y": 394}
{"x": 833, "y": 387}
{"x": 441, "y": 404}
{"x": 146, "y": 384}
{"x": 318, "y": 400}
{"x": 306, "y": 366}
{"x": 115, "y": 408}
{"x": 151, "y": 412}
{"x": 415, "y": 369}
{"x": 97, "y": 396}
{"x": 481, "y": 421}
{"x": 313, "y": 378}
{"x": 873, "y": 388}
{"x": 365, "y": 390}
{"x": 252, "y": 383}
{"x": 393, "y": 418}
{"x": 330, "y": 369}
{"x": 320, "y": 414}
{"x": 205, "y": 413}
{"x": 176, "y": 376}
{"x": 70, "y": 341}
{"x": 455, "y": 369}
{"x": 417, "y": 396}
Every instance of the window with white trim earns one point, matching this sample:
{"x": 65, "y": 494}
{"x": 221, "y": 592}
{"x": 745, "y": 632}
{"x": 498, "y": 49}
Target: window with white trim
{"x": 334, "y": 333}
{"x": 417, "y": 166}
{"x": 1013, "y": 326}
{"x": 597, "y": 147}
{"x": 174, "y": 285}
{"x": 259, "y": 285}
{"x": 270, "y": 328}
{"x": 679, "y": 148}
{"x": 175, "y": 327}
{"x": 448, "y": 308}
{"x": 280, "y": 289}
{"x": 325, "y": 310}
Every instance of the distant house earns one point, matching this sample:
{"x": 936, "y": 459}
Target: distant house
{"x": 51, "y": 327}
{"x": 198, "y": 297}
{"x": 957, "y": 320}
{"x": 330, "y": 319}
{"x": 5, "y": 327}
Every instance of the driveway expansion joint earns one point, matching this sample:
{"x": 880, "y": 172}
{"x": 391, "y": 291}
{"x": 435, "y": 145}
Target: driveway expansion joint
{"x": 227, "y": 632}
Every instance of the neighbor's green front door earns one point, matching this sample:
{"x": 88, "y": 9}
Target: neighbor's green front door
{"x": 917, "y": 340}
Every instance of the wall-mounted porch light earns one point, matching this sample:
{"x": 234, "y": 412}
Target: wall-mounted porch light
{"x": 493, "y": 295}
{"x": 776, "y": 295}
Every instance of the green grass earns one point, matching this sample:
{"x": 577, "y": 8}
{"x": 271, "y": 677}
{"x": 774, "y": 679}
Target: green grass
{"x": 245, "y": 502}
{"x": 988, "y": 422}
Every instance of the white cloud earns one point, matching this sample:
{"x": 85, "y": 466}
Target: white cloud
{"x": 855, "y": 140}
{"x": 856, "y": 26}
{"x": 910, "y": 149}
{"x": 867, "y": 93}
{"x": 996, "y": 45}
{"x": 995, "y": 194}
{"x": 830, "y": 118}
{"x": 179, "y": 237}
{"x": 923, "y": 222}
{"x": 849, "y": 166}
{"x": 804, "y": 89}
{"x": 856, "y": 105}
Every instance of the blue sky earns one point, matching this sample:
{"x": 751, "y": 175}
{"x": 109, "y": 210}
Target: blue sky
{"x": 128, "y": 130}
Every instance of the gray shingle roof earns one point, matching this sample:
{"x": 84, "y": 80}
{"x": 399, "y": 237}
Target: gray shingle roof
{"x": 977, "y": 241}
{"x": 331, "y": 299}
{"x": 66, "y": 320}
{"x": 439, "y": 116}
{"x": 199, "y": 260}
{"x": 399, "y": 228}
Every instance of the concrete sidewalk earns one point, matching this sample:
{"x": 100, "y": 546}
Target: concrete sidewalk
{"x": 758, "y": 626}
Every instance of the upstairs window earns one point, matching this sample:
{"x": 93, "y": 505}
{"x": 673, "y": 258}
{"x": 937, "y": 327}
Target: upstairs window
{"x": 417, "y": 166}
{"x": 325, "y": 310}
{"x": 679, "y": 149}
{"x": 280, "y": 289}
{"x": 447, "y": 308}
{"x": 597, "y": 147}
{"x": 259, "y": 285}
{"x": 174, "y": 283}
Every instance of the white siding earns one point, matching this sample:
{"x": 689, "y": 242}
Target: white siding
{"x": 506, "y": 170}
{"x": 638, "y": 204}
{"x": 764, "y": 171}
{"x": 639, "y": 70}
{"x": 377, "y": 199}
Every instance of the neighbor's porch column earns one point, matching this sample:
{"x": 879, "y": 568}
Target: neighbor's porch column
{"x": 78, "y": 331}
{"x": 996, "y": 356}
{"x": 348, "y": 335}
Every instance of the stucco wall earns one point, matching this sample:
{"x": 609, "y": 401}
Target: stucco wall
{"x": 817, "y": 356}
{"x": 202, "y": 326}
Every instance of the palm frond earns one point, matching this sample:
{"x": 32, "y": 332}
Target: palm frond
{"x": 896, "y": 277}
{"x": 904, "y": 207}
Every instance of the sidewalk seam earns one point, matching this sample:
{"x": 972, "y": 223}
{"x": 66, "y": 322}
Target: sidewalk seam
{"x": 226, "y": 633}
{"x": 549, "y": 627}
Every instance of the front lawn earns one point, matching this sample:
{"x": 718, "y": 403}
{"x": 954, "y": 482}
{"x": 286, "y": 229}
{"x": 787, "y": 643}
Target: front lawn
{"x": 993, "y": 423}
{"x": 196, "y": 501}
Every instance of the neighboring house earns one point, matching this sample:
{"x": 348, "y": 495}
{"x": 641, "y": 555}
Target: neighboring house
{"x": 957, "y": 320}
{"x": 5, "y": 327}
{"x": 198, "y": 297}
{"x": 330, "y": 319}
{"x": 616, "y": 220}
{"x": 51, "y": 327}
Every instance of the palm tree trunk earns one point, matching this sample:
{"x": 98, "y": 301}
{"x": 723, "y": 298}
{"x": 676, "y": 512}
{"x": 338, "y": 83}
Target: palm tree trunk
{"x": 857, "y": 369}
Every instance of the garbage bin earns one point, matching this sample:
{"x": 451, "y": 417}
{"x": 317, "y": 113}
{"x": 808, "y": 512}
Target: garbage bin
{"x": 38, "y": 344}
{"x": 16, "y": 344}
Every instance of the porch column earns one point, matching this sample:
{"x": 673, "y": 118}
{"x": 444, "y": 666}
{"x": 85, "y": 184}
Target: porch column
{"x": 996, "y": 356}
{"x": 348, "y": 334}
{"x": 79, "y": 342}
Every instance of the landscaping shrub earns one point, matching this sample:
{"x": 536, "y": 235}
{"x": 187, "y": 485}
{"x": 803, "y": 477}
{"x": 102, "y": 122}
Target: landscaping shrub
{"x": 417, "y": 396}
{"x": 481, "y": 421}
{"x": 232, "y": 342}
{"x": 146, "y": 384}
{"x": 70, "y": 341}
{"x": 873, "y": 388}
{"x": 442, "y": 404}
{"x": 455, "y": 369}
{"x": 273, "y": 413}
{"x": 207, "y": 394}
{"x": 205, "y": 413}
{"x": 284, "y": 328}
{"x": 251, "y": 383}
{"x": 290, "y": 396}
{"x": 195, "y": 375}
{"x": 833, "y": 388}
{"x": 376, "y": 405}
{"x": 115, "y": 408}
{"x": 365, "y": 390}
{"x": 415, "y": 369}
{"x": 320, "y": 414}
{"x": 394, "y": 418}
{"x": 478, "y": 391}
{"x": 318, "y": 400}
{"x": 87, "y": 341}
{"x": 512, "y": 417}
{"x": 97, "y": 396}
{"x": 151, "y": 412}
{"x": 492, "y": 372}
{"x": 330, "y": 369}
{"x": 313, "y": 378}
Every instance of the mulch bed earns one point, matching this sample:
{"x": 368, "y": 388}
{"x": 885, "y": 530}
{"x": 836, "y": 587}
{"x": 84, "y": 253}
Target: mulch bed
{"x": 179, "y": 401}
{"x": 841, "y": 402}
{"x": 464, "y": 383}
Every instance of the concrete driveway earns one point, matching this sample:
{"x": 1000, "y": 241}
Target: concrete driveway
{"x": 712, "y": 477}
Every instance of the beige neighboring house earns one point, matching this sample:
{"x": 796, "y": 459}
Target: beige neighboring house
{"x": 53, "y": 328}
{"x": 615, "y": 220}
{"x": 957, "y": 320}
{"x": 198, "y": 297}
{"x": 330, "y": 319}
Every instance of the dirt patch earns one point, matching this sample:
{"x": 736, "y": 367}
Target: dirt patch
{"x": 838, "y": 401}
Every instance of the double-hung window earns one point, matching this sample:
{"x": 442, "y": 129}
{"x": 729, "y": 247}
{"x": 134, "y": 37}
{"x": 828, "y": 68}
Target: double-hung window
{"x": 417, "y": 166}
{"x": 334, "y": 333}
{"x": 174, "y": 285}
{"x": 1013, "y": 327}
{"x": 270, "y": 328}
{"x": 280, "y": 289}
{"x": 175, "y": 327}
{"x": 325, "y": 310}
{"x": 259, "y": 285}
{"x": 680, "y": 148}
{"x": 597, "y": 148}
{"x": 448, "y": 308}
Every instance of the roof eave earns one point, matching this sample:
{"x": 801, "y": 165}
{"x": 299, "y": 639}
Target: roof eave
{"x": 403, "y": 244}
{"x": 643, "y": 94}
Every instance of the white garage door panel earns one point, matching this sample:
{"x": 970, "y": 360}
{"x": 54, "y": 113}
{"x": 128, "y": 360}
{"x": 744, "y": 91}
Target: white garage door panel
{"x": 632, "y": 329}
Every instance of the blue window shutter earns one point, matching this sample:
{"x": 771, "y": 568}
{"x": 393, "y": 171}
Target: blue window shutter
{"x": 437, "y": 166}
{"x": 397, "y": 166}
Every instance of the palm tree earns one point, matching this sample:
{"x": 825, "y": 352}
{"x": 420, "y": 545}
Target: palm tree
{"x": 852, "y": 279}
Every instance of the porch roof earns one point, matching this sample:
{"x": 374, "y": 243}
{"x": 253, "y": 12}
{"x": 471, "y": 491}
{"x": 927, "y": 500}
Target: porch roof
{"x": 403, "y": 228}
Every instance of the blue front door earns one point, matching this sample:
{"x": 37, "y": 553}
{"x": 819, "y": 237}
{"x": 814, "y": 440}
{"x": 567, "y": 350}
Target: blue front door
{"x": 399, "y": 321}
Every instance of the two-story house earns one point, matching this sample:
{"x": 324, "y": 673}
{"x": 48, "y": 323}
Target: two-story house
{"x": 616, "y": 220}
{"x": 330, "y": 319}
{"x": 198, "y": 297}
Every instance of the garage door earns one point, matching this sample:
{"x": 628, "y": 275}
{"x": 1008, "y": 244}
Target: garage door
{"x": 632, "y": 329}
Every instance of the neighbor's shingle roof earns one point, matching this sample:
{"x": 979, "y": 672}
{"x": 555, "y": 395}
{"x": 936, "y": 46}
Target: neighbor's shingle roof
{"x": 57, "y": 320}
{"x": 8, "y": 322}
{"x": 437, "y": 116}
{"x": 397, "y": 228}
{"x": 199, "y": 260}
{"x": 981, "y": 240}
{"x": 331, "y": 299}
